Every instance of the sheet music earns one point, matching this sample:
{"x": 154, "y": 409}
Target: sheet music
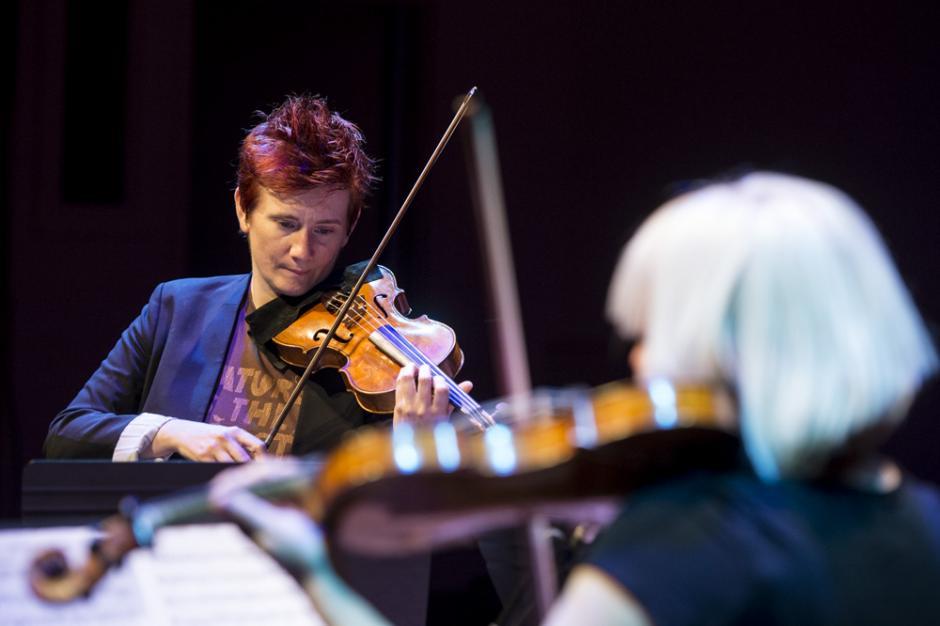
{"x": 199, "y": 575}
{"x": 116, "y": 602}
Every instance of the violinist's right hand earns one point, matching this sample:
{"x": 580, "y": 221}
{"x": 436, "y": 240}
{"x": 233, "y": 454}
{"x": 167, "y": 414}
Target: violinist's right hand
{"x": 199, "y": 441}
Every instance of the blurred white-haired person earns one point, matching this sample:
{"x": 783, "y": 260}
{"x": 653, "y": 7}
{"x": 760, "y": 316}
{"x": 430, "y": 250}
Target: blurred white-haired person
{"x": 779, "y": 289}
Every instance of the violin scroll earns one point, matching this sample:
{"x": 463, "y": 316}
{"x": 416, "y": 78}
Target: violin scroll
{"x": 53, "y": 580}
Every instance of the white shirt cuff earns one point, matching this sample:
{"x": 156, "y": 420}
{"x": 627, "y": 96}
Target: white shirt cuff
{"x": 135, "y": 440}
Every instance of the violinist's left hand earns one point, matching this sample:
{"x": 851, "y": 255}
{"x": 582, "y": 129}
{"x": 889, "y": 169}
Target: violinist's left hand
{"x": 421, "y": 398}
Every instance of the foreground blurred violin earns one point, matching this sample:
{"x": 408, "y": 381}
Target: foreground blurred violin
{"x": 391, "y": 492}
{"x": 395, "y": 491}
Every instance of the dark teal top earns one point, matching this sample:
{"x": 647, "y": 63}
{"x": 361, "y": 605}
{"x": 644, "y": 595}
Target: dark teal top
{"x": 730, "y": 549}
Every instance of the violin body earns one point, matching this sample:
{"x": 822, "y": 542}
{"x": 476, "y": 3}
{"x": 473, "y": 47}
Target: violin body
{"x": 367, "y": 350}
{"x": 391, "y": 492}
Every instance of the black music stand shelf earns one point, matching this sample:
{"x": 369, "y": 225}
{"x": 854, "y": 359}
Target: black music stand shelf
{"x": 71, "y": 492}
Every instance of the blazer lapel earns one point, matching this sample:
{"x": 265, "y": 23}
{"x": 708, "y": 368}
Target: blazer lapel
{"x": 215, "y": 339}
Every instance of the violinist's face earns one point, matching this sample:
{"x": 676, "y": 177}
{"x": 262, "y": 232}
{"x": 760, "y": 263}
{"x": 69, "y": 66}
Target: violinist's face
{"x": 294, "y": 241}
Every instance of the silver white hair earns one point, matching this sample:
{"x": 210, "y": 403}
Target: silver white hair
{"x": 782, "y": 288}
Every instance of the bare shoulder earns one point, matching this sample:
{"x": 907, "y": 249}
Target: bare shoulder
{"x": 592, "y": 597}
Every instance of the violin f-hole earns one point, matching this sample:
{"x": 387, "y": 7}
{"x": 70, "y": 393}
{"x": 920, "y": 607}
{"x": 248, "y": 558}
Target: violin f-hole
{"x": 400, "y": 302}
{"x": 377, "y": 300}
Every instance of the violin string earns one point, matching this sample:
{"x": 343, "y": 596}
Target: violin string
{"x": 401, "y": 341}
{"x": 337, "y": 301}
{"x": 403, "y": 344}
{"x": 371, "y": 322}
{"x": 411, "y": 351}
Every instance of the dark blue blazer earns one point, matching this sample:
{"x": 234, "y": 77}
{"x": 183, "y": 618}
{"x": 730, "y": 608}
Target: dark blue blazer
{"x": 169, "y": 360}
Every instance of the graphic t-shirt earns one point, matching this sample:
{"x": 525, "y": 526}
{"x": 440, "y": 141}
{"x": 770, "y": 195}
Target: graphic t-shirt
{"x": 252, "y": 392}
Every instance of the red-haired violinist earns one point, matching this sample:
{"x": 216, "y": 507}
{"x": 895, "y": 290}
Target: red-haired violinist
{"x": 197, "y": 373}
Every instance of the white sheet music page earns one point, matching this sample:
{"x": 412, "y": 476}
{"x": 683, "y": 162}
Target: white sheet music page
{"x": 202, "y": 575}
{"x": 116, "y": 601}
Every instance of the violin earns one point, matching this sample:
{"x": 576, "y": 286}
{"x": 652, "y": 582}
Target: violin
{"x": 376, "y": 340}
{"x": 387, "y": 491}
{"x": 392, "y": 492}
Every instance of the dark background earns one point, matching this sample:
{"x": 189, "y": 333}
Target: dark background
{"x": 121, "y": 129}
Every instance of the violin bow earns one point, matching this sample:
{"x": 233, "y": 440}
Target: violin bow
{"x": 509, "y": 341}
{"x": 373, "y": 261}
{"x": 490, "y": 208}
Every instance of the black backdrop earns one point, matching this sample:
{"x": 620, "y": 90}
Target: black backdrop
{"x": 599, "y": 108}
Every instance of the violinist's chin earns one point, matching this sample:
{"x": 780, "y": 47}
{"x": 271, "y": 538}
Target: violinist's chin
{"x": 294, "y": 282}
